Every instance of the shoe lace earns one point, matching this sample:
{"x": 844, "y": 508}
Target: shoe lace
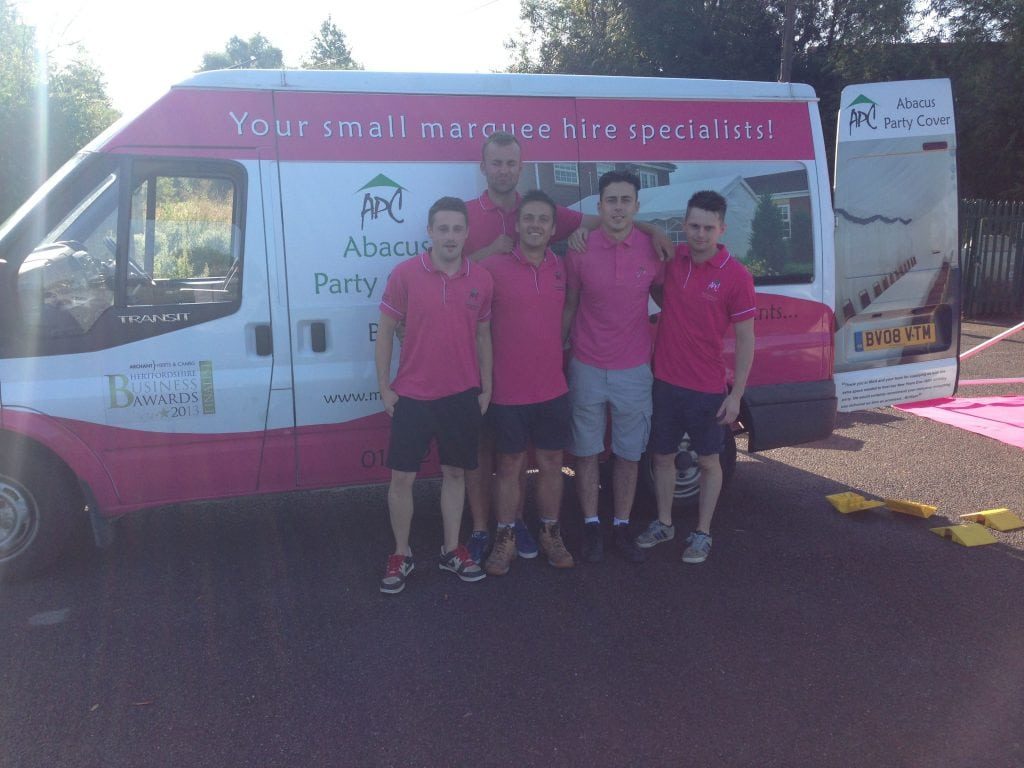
{"x": 556, "y": 544}
{"x": 394, "y": 566}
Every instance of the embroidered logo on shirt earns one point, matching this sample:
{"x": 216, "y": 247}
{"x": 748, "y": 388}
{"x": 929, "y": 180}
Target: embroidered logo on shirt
{"x": 714, "y": 285}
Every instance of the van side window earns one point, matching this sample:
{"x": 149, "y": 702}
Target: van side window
{"x": 184, "y": 245}
{"x": 66, "y": 283}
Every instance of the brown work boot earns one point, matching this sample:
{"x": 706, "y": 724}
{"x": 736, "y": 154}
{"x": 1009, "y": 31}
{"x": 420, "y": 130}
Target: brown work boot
{"x": 553, "y": 547}
{"x": 503, "y": 554}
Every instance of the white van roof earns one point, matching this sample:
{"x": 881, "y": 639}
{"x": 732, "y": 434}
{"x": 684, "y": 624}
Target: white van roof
{"x": 587, "y": 86}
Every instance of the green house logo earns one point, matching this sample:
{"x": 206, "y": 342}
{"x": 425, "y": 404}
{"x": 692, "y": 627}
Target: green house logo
{"x": 381, "y": 196}
{"x": 863, "y": 112}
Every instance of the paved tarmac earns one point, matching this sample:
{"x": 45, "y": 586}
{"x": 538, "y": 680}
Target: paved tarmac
{"x": 251, "y": 633}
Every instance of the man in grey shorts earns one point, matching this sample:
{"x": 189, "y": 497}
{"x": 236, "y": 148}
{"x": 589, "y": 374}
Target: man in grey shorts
{"x": 606, "y": 319}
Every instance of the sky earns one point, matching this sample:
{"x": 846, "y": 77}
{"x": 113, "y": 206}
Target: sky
{"x": 143, "y": 47}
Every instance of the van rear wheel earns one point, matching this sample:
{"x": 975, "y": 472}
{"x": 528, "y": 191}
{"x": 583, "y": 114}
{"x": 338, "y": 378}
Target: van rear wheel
{"x": 37, "y": 499}
{"x": 687, "y": 488}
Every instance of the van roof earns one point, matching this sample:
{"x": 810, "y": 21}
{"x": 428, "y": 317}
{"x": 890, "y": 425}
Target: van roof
{"x": 592, "y": 86}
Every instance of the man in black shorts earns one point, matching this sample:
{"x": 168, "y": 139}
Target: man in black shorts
{"x": 443, "y": 383}
{"x": 531, "y": 404}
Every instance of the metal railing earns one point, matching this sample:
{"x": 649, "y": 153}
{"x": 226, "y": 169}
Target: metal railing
{"x": 992, "y": 256}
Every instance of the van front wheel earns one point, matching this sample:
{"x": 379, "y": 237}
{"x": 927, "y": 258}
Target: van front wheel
{"x": 36, "y": 499}
{"x": 687, "y": 488}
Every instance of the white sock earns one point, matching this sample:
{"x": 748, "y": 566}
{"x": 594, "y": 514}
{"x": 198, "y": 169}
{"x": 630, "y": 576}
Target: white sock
{"x": 589, "y": 520}
{"x": 616, "y": 521}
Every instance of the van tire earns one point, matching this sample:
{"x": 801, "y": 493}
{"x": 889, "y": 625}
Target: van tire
{"x": 688, "y": 479}
{"x": 38, "y": 499}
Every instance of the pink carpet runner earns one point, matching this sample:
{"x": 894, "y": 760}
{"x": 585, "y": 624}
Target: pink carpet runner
{"x": 1001, "y": 418}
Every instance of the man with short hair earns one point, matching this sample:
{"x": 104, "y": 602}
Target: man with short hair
{"x": 606, "y": 317}
{"x": 443, "y": 383}
{"x": 492, "y": 229}
{"x": 706, "y": 291}
{"x": 529, "y": 404}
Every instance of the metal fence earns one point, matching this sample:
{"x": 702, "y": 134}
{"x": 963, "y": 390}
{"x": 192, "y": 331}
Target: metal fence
{"x": 992, "y": 256}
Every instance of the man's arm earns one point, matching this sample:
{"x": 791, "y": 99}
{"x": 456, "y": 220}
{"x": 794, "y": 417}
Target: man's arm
{"x": 664, "y": 246}
{"x": 486, "y": 361}
{"x": 502, "y": 244}
{"x": 572, "y": 302}
{"x": 382, "y": 350}
{"x": 744, "y": 361}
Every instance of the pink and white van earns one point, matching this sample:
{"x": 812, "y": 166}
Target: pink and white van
{"x": 188, "y": 308}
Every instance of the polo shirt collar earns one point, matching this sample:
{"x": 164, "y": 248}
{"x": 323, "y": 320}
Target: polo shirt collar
{"x": 427, "y": 263}
{"x": 607, "y": 242}
{"x": 489, "y": 205}
{"x": 719, "y": 260}
{"x": 517, "y": 254}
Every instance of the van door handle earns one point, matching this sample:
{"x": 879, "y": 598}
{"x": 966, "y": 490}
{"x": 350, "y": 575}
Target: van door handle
{"x": 264, "y": 341}
{"x": 318, "y": 336}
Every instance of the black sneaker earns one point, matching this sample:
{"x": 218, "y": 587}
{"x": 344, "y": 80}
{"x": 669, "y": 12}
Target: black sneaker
{"x": 593, "y": 543}
{"x": 626, "y": 546}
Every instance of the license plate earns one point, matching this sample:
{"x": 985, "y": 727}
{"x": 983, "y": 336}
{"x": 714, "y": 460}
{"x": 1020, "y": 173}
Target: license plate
{"x": 891, "y": 338}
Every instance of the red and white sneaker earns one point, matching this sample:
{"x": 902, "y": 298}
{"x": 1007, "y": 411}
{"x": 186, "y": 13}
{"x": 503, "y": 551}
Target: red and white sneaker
{"x": 461, "y": 564}
{"x": 396, "y": 572}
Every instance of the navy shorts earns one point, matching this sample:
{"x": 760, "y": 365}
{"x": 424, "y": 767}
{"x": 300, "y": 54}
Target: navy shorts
{"x": 454, "y": 421}
{"x": 546, "y": 425}
{"x": 679, "y": 411}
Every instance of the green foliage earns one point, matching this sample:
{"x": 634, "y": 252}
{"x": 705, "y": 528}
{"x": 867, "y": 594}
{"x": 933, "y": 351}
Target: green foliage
{"x": 768, "y": 251}
{"x": 330, "y": 51}
{"x": 36, "y": 142}
{"x": 255, "y": 53}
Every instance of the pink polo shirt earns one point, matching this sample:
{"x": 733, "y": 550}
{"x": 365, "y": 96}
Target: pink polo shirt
{"x": 701, "y": 302}
{"x": 487, "y": 221}
{"x": 438, "y": 354}
{"x": 611, "y": 329}
{"x": 526, "y": 328}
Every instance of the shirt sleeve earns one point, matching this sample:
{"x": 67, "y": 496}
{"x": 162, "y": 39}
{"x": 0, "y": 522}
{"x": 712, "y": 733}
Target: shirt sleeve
{"x": 742, "y": 301}
{"x": 572, "y": 274}
{"x": 395, "y": 300}
{"x": 487, "y": 294}
{"x": 567, "y": 221}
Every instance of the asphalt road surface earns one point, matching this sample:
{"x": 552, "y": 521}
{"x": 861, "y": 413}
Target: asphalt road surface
{"x": 251, "y": 633}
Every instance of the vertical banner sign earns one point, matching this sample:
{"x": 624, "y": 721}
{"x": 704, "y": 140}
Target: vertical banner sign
{"x": 897, "y": 266}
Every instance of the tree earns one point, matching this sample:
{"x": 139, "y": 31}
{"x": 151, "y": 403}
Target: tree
{"x": 255, "y": 53}
{"x": 330, "y": 51}
{"x": 767, "y": 254}
{"x": 77, "y": 109}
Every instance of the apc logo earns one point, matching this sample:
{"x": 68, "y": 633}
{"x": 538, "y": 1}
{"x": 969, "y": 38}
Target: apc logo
{"x": 863, "y": 111}
{"x": 382, "y": 197}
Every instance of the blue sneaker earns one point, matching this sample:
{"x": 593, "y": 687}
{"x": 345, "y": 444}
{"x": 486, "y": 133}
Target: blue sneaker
{"x": 699, "y": 548}
{"x": 526, "y": 545}
{"x": 478, "y": 546}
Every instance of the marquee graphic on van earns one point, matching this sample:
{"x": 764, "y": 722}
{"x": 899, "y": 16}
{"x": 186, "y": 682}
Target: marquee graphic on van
{"x": 863, "y": 112}
{"x": 388, "y": 201}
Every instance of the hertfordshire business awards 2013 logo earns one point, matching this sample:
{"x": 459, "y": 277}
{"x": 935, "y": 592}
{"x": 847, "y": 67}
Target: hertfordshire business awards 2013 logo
{"x": 863, "y": 114}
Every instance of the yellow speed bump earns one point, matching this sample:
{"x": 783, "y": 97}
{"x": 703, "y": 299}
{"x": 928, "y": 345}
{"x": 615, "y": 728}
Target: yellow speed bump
{"x": 914, "y": 508}
{"x": 968, "y": 534}
{"x": 851, "y": 502}
{"x": 1000, "y": 519}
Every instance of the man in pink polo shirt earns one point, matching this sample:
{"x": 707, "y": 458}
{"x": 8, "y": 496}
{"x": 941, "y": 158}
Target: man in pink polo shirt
{"x": 606, "y": 317}
{"x": 530, "y": 404}
{"x": 492, "y": 229}
{"x": 443, "y": 383}
{"x": 705, "y": 292}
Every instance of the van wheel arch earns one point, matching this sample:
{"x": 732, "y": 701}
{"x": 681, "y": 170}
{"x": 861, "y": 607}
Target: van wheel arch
{"x": 687, "y": 489}
{"x": 39, "y": 502}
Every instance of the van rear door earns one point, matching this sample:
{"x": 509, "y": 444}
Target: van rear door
{"x": 897, "y": 266}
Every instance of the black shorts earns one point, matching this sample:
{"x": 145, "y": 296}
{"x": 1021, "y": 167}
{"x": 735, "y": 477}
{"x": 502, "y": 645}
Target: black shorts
{"x": 546, "y": 425}
{"x": 454, "y": 421}
{"x": 679, "y": 411}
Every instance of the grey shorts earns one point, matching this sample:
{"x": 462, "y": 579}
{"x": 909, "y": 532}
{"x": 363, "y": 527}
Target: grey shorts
{"x": 628, "y": 393}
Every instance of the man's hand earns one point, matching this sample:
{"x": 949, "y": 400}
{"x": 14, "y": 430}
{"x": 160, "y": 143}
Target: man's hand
{"x": 484, "y": 398}
{"x": 729, "y": 410}
{"x": 400, "y": 331}
{"x": 502, "y": 244}
{"x": 578, "y": 239}
{"x": 663, "y": 244}
{"x": 390, "y": 398}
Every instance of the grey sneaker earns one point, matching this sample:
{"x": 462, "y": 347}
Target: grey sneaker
{"x": 698, "y": 547}
{"x": 656, "y": 533}
{"x": 461, "y": 564}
